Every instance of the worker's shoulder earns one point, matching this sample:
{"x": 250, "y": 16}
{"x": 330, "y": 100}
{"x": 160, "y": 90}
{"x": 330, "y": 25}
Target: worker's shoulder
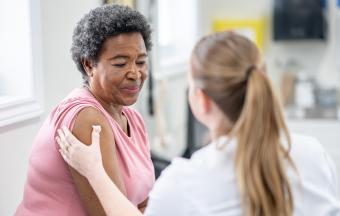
{"x": 309, "y": 156}
{"x": 305, "y": 145}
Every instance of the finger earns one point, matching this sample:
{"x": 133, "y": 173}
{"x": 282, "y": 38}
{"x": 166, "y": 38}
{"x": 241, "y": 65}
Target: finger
{"x": 61, "y": 135}
{"x": 97, "y": 128}
{"x": 62, "y": 145}
{"x": 70, "y": 138}
{"x": 95, "y": 134}
{"x": 65, "y": 153}
{"x": 72, "y": 149}
{"x": 66, "y": 159}
{"x": 65, "y": 156}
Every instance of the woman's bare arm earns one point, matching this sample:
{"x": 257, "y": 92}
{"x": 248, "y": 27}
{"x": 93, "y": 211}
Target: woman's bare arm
{"x": 113, "y": 201}
{"x": 82, "y": 130}
{"x": 87, "y": 160}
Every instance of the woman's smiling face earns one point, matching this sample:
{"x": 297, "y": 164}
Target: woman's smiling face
{"x": 121, "y": 69}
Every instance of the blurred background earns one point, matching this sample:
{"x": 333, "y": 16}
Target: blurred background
{"x": 299, "y": 40}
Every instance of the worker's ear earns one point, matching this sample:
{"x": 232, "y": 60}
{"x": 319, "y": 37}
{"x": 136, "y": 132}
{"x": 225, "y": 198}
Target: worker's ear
{"x": 88, "y": 66}
{"x": 204, "y": 102}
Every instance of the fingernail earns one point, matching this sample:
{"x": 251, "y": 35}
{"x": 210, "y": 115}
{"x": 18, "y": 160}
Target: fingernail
{"x": 96, "y": 128}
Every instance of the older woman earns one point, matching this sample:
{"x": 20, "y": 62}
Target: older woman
{"x": 110, "y": 48}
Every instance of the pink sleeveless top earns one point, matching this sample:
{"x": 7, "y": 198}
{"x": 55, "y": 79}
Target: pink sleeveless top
{"x": 49, "y": 188}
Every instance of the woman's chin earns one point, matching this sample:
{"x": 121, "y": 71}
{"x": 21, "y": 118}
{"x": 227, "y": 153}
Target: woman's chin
{"x": 130, "y": 101}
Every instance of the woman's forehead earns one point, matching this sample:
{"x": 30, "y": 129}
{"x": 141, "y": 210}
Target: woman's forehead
{"x": 124, "y": 44}
{"x": 126, "y": 40}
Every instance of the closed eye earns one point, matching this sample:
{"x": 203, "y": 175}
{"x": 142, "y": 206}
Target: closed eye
{"x": 141, "y": 62}
{"x": 119, "y": 65}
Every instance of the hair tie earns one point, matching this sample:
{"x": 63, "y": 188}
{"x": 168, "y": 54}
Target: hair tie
{"x": 249, "y": 70}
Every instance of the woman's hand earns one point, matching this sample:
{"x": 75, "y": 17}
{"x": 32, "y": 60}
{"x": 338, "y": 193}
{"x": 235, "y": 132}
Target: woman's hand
{"x": 87, "y": 160}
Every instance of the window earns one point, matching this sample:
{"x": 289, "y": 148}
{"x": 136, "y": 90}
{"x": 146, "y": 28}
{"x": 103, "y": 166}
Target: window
{"x": 20, "y": 60}
{"x": 176, "y": 33}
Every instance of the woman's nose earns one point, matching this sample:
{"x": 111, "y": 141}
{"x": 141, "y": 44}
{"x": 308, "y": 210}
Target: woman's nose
{"x": 134, "y": 72}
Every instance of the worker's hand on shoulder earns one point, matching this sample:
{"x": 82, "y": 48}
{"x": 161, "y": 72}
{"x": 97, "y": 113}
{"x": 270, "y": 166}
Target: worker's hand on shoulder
{"x": 87, "y": 160}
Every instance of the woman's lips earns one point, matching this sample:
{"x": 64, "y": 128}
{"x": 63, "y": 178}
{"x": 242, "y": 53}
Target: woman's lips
{"x": 131, "y": 89}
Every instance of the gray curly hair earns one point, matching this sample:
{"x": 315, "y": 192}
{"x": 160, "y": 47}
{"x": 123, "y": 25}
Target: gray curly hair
{"x": 102, "y": 23}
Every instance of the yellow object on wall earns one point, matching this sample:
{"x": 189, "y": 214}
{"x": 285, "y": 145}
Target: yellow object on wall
{"x": 251, "y": 28}
{"x": 130, "y": 3}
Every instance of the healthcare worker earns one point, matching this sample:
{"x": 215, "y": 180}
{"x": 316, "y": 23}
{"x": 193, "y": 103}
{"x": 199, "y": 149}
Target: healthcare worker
{"x": 253, "y": 166}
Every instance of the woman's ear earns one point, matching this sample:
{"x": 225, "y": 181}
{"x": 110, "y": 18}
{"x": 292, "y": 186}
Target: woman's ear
{"x": 88, "y": 66}
{"x": 204, "y": 101}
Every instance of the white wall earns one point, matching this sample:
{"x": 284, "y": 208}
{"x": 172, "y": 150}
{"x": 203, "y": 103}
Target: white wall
{"x": 60, "y": 76}
{"x": 316, "y": 57}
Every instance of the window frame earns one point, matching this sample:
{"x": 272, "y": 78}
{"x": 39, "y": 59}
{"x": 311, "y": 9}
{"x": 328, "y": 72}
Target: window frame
{"x": 181, "y": 65}
{"x": 17, "y": 109}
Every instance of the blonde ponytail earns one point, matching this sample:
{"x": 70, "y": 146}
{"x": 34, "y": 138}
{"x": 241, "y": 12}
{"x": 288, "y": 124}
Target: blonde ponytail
{"x": 224, "y": 66}
{"x": 260, "y": 156}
